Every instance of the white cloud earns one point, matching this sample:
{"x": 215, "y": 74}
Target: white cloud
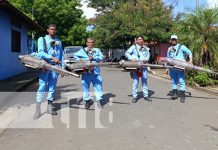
{"x": 87, "y": 11}
{"x": 212, "y": 3}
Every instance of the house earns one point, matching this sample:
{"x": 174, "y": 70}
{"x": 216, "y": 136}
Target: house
{"x": 158, "y": 51}
{"x": 162, "y": 49}
{"x": 14, "y": 26}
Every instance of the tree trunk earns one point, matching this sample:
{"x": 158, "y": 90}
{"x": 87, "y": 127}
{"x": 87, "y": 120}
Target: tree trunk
{"x": 201, "y": 60}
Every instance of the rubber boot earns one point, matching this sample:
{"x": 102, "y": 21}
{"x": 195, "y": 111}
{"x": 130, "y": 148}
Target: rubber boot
{"x": 182, "y": 97}
{"x": 50, "y": 109}
{"x": 38, "y": 111}
{"x": 175, "y": 94}
{"x": 134, "y": 100}
{"x": 87, "y": 104}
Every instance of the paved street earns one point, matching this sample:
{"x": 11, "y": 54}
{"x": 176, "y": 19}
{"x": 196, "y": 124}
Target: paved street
{"x": 161, "y": 125}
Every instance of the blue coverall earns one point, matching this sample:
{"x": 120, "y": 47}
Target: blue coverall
{"x": 48, "y": 79}
{"x": 178, "y": 75}
{"x": 93, "y": 75}
{"x": 143, "y": 54}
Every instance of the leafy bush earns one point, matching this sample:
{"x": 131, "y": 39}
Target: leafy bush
{"x": 215, "y": 82}
{"x": 203, "y": 79}
{"x": 191, "y": 81}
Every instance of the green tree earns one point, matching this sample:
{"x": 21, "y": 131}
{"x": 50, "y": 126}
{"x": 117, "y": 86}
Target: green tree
{"x": 118, "y": 26}
{"x": 24, "y": 5}
{"x": 64, "y": 13}
{"x": 106, "y": 5}
{"x": 196, "y": 30}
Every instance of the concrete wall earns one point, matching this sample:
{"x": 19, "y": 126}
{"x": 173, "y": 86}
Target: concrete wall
{"x": 9, "y": 63}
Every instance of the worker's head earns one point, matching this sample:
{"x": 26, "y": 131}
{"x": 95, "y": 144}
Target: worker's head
{"x": 51, "y": 29}
{"x": 140, "y": 40}
{"x": 146, "y": 42}
{"x": 90, "y": 42}
{"x": 173, "y": 39}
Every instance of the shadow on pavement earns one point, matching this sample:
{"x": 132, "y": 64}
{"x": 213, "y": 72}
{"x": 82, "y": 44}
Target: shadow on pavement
{"x": 107, "y": 97}
{"x": 189, "y": 94}
{"x": 140, "y": 94}
{"x": 73, "y": 103}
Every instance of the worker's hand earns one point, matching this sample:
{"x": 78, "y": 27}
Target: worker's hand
{"x": 133, "y": 59}
{"x": 81, "y": 60}
{"x": 57, "y": 61}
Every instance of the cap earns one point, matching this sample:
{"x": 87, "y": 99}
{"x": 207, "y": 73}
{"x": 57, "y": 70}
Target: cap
{"x": 174, "y": 37}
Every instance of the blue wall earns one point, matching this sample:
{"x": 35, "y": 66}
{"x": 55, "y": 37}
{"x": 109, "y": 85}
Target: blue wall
{"x": 9, "y": 63}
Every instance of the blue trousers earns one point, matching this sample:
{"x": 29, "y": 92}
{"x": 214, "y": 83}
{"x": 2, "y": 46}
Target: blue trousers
{"x": 96, "y": 80}
{"x": 47, "y": 83}
{"x": 176, "y": 76}
{"x": 144, "y": 83}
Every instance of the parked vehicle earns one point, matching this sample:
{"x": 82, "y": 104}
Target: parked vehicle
{"x": 69, "y": 52}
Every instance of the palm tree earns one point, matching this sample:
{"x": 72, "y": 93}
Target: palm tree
{"x": 197, "y": 31}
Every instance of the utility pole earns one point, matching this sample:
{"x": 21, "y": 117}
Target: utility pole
{"x": 32, "y": 40}
{"x": 197, "y": 4}
{"x": 32, "y": 15}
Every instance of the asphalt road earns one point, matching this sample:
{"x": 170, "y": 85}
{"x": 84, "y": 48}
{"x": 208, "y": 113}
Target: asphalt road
{"x": 161, "y": 125}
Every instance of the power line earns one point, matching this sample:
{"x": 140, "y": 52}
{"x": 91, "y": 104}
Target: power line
{"x": 197, "y": 4}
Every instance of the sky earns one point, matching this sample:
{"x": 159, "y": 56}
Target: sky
{"x": 179, "y": 6}
{"x": 87, "y": 11}
{"x": 187, "y": 5}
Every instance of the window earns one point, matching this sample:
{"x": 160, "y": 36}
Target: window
{"x": 15, "y": 41}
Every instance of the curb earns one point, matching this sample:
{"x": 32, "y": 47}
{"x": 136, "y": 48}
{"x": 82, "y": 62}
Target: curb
{"x": 204, "y": 90}
{"x": 27, "y": 84}
{"x": 19, "y": 89}
{"x": 193, "y": 87}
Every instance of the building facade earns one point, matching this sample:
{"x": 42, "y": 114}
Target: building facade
{"x": 14, "y": 26}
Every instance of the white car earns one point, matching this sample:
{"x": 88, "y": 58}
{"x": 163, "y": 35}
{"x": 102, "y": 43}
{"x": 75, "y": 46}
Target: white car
{"x": 69, "y": 52}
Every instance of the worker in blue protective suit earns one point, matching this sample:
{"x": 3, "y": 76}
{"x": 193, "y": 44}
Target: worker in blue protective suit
{"x": 177, "y": 51}
{"x": 49, "y": 49}
{"x": 139, "y": 52}
{"x": 91, "y": 75}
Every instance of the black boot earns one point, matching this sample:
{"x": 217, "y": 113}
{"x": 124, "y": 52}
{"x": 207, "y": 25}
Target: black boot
{"x": 175, "y": 94}
{"x": 134, "y": 100}
{"x": 182, "y": 97}
{"x": 38, "y": 111}
{"x": 50, "y": 109}
{"x": 87, "y": 104}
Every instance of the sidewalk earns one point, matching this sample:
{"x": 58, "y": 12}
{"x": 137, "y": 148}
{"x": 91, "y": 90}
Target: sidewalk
{"x": 209, "y": 89}
{"x": 9, "y": 87}
{"x": 19, "y": 82}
